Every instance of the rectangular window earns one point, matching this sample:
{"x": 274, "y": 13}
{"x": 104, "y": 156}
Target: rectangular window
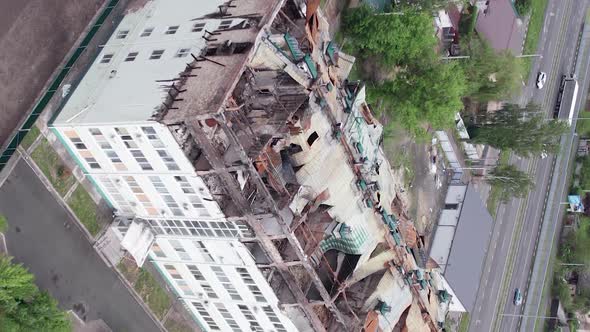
{"x": 131, "y": 56}
{"x": 172, "y": 271}
{"x": 224, "y": 25}
{"x": 251, "y": 284}
{"x": 148, "y": 130}
{"x": 202, "y": 228}
{"x": 227, "y": 284}
{"x": 156, "y": 54}
{"x": 272, "y": 316}
{"x": 78, "y": 143}
{"x": 84, "y": 153}
{"x": 107, "y": 58}
{"x": 132, "y": 146}
{"x": 158, "y": 251}
{"x": 179, "y": 248}
{"x": 147, "y": 32}
{"x": 193, "y": 197}
{"x": 183, "y": 285}
{"x": 166, "y": 197}
{"x": 107, "y": 148}
{"x": 196, "y": 272}
{"x": 197, "y": 27}
{"x": 205, "y": 316}
{"x": 121, "y": 34}
{"x": 183, "y": 52}
{"x": 253, "y": 322}
{"x": 229, "y": 319}
{"x": 95, "y": 131}
{"x": 172, "y": 30}
{"x": 158, "y": 145}
{"x": 123, "y": 204}
{"x": 203, "y": 251}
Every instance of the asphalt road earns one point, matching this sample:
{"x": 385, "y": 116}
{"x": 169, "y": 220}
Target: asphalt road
{"x": 44, "y": 237}
{"x": 518, "y": 223}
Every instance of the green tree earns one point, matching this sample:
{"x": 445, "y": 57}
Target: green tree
{"x": 523, "y": 7}
{"x": 511, "y": 181}
{"x": 394, "y": 39}
{"x": 23, "y": 307}
{"x": 490, "y": 75}
{"x": 524, "y": 131}
{"x": 430, "y": 95}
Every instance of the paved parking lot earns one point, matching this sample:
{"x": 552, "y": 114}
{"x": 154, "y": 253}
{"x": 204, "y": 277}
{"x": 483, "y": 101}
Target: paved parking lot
{"x": 44, "y": 238}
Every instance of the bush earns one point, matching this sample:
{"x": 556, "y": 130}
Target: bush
{"x": 63, "y": 172}
{"x": 523, "y": 7}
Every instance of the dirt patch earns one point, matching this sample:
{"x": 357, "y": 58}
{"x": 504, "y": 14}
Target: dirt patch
{"x": 35, "y": 36}
{"x": 421, "y": 168}
{"x": 332, "y": 10}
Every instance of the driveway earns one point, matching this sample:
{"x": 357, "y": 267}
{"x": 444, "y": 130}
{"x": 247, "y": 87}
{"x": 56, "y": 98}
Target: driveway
{"x": 44, "y": 238}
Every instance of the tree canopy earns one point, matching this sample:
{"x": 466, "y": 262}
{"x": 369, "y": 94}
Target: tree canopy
{"x": 490, "y": 75}
{"x": 395, "y": 39}
{"x": 525, "y": 131}
{"x": 23, "y": 307}
{"x": 511, "y": 181}
{"x": 428, "y": 95}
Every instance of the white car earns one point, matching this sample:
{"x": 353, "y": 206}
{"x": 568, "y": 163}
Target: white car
{"x": 541, "y": 79}
{"x": 543, "y": 155}
{"x": 517, "y": 297}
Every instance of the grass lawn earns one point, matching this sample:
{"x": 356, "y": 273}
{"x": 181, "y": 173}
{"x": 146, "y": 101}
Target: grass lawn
{"x": 495, "y": 196}
{"x": 152, "y": 293}
{"x": 534, "y": 31}
{"x": 85, "y": 208}
{"x": 583, "y": 126}
{"x": 464, "y": 325}
{"x": 30, "y": 138}
{"x": 52, "y": 166}
{"x": 129, "y": 270}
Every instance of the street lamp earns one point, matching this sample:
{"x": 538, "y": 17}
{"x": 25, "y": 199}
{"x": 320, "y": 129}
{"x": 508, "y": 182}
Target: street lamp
{"x": 534, "y": 316}
{"x": 468, "y": 56}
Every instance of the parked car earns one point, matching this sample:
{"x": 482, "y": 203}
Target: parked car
{"x": 517, "y": 297}
{"x": 541, "y": 79}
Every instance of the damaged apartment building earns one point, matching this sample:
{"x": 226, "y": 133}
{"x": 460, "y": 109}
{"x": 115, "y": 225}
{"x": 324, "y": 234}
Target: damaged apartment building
{"x": 244, "y": 166}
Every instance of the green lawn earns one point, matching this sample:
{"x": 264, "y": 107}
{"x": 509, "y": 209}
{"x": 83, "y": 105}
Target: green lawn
{"x": 85, "y": 209}
{"x": 464, "y": 325}
{"x": 583, "y": 126}
{"x": 30, "y": 138}
{"x": 152, "y": 293}
{"x": 534, "y": 31}
{"x": 495, "y": 196}
{"x": 53, "y": 168}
